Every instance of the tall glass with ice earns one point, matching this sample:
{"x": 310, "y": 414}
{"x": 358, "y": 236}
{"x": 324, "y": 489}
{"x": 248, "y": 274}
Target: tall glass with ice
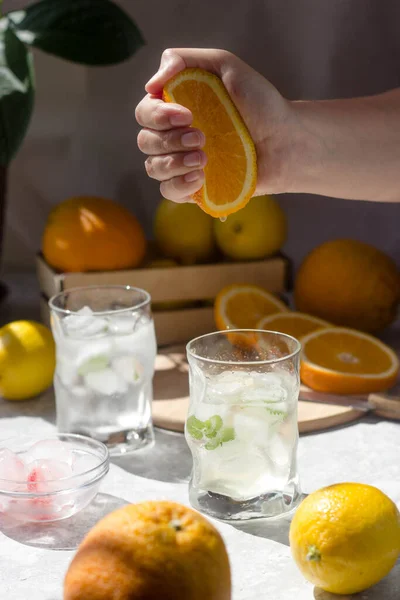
{"x": 106, "y": 349}
{"x": 242, "y": 424}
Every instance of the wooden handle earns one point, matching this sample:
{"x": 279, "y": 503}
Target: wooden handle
{"x": 385, "y": 405}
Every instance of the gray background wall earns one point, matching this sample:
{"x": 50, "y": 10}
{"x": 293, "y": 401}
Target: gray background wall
{"x": 82, "y": 138}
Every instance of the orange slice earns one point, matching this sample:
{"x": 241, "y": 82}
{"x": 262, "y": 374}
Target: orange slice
{"x": 241, "y": 306}
{"x": 231, "y": 170}
{"x": 296, "y": 324}
{"x": 345, "y": 361}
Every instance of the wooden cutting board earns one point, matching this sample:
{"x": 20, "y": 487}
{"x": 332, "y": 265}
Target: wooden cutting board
{"x": 171, "y": 398}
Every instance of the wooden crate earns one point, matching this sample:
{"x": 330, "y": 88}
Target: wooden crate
{"x": 198, "y": 284}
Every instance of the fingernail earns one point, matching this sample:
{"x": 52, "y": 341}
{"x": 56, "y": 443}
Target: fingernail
{"x": 192, "y": 160}
{"x": 179, "y": 119}
{"x": 191, "y": 140}
{"x": 193, "y": 176}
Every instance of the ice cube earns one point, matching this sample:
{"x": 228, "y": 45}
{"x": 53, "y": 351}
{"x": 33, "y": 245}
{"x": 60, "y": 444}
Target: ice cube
{"x": 45, "y": 475}
{"x": 142, "y": 343}
{"x": 79, "y": 391}
{"x": 123, "y": 323}
{"x": 84, "y": 323}
{"x": 49, "y": 449}
{"x": 266, "y": 388}
{"x": 85, "y": 462}
{"x": 12, "y": 470}
{"x": 269, "y": 395}
{"x": 265, "y": 379}
{"x": 106, "y": 382}
{"x": 228, "y": 387}
{"x": 277, "y": 411}
{"x": 94, "y": 355}
{"x": 75, "y": 321}
{"x": 279, "y": 451}
{"x": 252, "y": 424}
{"x": 128, "y": 368}
{"x": 235, "y": 469}
{"x": 66, "y": 372}
{"x": 205, "y": 410}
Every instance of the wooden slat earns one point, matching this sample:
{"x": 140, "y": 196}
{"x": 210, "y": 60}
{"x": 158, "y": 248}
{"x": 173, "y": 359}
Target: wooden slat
{"x": 198, "y": 282}
{"x": 182, "y": 325}
{"x": 50, "y": 282}
{"x": 189, "y": 283}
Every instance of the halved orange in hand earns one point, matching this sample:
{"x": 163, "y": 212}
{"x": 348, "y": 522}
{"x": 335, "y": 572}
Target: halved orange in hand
{"x": 231, "y": 170}
{"x": 241, "y": 306}
{"x": 344, "y": 361}
{"x": 293, "y": 323}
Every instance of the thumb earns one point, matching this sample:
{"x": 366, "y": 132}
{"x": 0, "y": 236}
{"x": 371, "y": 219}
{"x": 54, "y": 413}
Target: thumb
{"x": 177, "y": 59}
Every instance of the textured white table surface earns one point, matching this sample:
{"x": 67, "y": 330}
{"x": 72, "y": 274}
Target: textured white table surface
{"x": 34, "y": 558}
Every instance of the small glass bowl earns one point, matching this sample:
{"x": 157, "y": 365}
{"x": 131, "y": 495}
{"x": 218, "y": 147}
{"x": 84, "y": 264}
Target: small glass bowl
{"x": 68, "y": 495}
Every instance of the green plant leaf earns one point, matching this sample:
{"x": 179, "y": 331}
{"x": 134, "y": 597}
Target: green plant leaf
{"x": 90, "y": 32}
{"x": 16, "y": 92}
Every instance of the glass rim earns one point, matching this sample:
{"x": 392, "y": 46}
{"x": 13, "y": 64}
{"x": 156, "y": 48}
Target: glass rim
{"x": 131, "y": 288}
{"x": 243, "y": 362}
{"x": 90, "y": 476}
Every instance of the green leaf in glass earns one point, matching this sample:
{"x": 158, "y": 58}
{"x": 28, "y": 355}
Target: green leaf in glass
{"x": 16, "y": 92}
{"x": 90, "y": 32}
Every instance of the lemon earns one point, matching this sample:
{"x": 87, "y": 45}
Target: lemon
{"x": 184, "y": 232}
{"x": 345, "y": 537}
{"x": 27, "y": 359}
{"x": 256, "y": 231}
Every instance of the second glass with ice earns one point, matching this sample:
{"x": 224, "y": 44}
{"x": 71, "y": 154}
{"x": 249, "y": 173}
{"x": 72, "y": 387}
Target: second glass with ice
{"x": 106, "y": 350}
{"x": 242, "y": 424}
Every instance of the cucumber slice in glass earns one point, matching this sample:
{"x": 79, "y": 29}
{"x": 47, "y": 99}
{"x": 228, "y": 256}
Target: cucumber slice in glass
{"x": 97, "y": 363}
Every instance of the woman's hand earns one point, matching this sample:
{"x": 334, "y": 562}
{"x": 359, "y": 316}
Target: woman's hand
{"x": 174, "y": 149}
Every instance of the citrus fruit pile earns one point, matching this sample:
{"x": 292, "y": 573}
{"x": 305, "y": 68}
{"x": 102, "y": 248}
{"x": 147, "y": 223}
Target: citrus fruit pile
{"x": 98, "y": 234}
{"x": 188, "y": 235}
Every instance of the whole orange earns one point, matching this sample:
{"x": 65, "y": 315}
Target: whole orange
{"x": 349, "y": 283}
{"x": 92, "y": 234}
{"x": 152, "y": 550}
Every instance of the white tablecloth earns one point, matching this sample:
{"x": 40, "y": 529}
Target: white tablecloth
{"x": 34, "y": 558}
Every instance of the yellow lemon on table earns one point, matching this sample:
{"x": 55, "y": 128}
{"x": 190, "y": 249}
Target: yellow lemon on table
{"x": 345, "y": 537}
{"x": 27, "y": 359}
{"x": 256, "y": 231}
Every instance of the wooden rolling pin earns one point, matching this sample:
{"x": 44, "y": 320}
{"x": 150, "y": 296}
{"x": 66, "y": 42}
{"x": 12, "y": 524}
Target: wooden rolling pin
{"x": 383, "y": 405}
